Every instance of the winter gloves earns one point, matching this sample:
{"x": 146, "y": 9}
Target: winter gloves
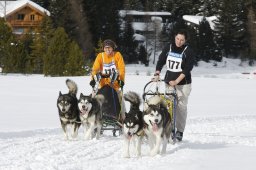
{"x": 120, "y": 82}
{"x": 92, "y": 83}
{"x": 156, "y": 77}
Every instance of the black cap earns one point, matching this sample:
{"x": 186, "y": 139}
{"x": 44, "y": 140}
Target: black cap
{"x": 109, "y": 43}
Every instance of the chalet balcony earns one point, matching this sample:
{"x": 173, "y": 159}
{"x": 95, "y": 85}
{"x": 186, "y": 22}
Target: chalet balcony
{"x": 18, "y": 23}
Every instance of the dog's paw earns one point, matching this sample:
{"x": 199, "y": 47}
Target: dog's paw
{"x": 74, "y": 135}
{"x": 126, "y": 155}
{"x": 163, "y": 152}
{"x": 87, "y": 138}
{"x": 65, "y": 136}
{"x": 153, "y": 153}
{"x": 138, "y": 155}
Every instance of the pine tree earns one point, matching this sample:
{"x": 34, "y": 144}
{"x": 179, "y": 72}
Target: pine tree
{"x": 207, "y": 8}
{"x": 99, "y": 48}
{"x": 251, "y": 27}
{"x": 207, "y": 48}
{"x": 40, "y": 45}
{"x": 75, "y": 62}
{"x": 129, "y": 44}
{"x": 44, "y": 3}
{"x": 184, "y": 7}
{"x": 104, "y": 21}
{"x": 133, "y": 5}
{"x": 57, "y": 54}
{"x": 4, "y": 37}
{"x": 143, "y": 55}
{"x": 60, "y": 15}
{"x": 7, "y": 41}
{"x": 25, "y": 42}
{"x": 15, "y": 51}
{"x": 72, "y": 17}
{"x": 230, "y": 28}
{"x": 15, "y": 57}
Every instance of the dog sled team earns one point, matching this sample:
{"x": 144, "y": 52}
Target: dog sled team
{"x": 163, "y": 117}
{"x": 153, "y": 121}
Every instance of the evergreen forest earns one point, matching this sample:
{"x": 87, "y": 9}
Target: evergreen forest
{"x": 67, "y": 41}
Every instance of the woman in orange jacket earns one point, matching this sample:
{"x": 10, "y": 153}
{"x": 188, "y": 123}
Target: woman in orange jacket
{"x": 108, "y": 62}
{"x": 111, "y": 68}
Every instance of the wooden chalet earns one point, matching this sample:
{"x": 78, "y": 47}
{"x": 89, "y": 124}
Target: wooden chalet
{"x": 22, "y": 15}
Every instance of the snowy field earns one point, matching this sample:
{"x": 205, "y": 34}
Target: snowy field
{"x": 220, "y": 132}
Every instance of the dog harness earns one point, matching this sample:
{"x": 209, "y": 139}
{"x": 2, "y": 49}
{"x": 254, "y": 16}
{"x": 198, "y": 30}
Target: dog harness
{"x": 169, "y": 105}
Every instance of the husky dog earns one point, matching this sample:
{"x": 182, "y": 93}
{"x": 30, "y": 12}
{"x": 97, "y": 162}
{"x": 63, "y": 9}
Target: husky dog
{"x": 133, "y": 124}
{"x": 91, "y": 114}
{"x": 157, "y": 124}
{"x": 68, "y": 110}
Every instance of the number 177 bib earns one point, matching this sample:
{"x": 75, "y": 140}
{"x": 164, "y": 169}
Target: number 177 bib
{"x": 173, "y": 62}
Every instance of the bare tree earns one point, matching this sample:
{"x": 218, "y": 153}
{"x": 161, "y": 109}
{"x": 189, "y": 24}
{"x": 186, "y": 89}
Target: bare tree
{"x": 83, "y": 34}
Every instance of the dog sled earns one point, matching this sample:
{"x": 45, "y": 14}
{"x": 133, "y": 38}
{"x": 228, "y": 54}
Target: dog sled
{"x": 153, "y": 88}
{"x": 111, "y": 107}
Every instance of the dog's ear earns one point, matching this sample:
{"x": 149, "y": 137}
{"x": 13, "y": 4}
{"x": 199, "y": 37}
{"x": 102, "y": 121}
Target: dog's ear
{"x": 100, "y": 98}
{"x": 90, "y": 99}
{"x": 81, "y": 94}
{"x": 126, "y": 114}
{"x": 60, "y": 93}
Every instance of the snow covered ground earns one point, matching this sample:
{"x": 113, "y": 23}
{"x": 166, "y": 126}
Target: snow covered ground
{"x": 220, "y": 131}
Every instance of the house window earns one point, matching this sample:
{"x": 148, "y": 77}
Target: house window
{"x": 32, "y": 17}
{"x": 21, "y": 16}
{"x": 18, "y": 30}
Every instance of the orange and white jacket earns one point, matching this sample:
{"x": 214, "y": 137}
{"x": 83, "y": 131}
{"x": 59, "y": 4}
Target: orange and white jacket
{"x": 117, "y": 59}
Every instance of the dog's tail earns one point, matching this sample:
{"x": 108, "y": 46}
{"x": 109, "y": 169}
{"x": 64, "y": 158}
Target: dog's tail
{"x": 72, "y": 87}
{"x": 133, "y": 98}
{"x": 100, "y": 98}
{"x": 154, "y": 100}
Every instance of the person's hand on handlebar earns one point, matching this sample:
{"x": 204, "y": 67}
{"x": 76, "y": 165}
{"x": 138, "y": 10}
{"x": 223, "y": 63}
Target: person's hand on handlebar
{"x": 156, "y": 76}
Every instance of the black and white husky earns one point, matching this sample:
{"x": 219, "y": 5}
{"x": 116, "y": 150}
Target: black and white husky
{"x": 133, "y": 124}
{"x": 90, "y": 109}
{"x": 157, "y": 124}
{"x": 68, "y": 110}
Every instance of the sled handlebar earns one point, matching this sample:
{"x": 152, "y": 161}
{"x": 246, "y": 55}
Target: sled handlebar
{"x": 154, "y": 94}
{"x": 157, "y": 93}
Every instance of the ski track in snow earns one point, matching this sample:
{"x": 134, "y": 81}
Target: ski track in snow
{"x": 47, "y": 148}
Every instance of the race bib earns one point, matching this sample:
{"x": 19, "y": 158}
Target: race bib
{"x": 109, "y": 68}
{"x": 173, "y": 62}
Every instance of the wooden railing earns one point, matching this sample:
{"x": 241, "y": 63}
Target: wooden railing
{"x": 24, "y": 23}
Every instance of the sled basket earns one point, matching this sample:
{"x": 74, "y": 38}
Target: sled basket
{"x": 110, "y": 109}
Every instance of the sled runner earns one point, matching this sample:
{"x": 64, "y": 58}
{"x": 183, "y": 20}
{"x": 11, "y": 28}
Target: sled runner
{"x": 153, "y": 88}
{"x": 111, "y": 107}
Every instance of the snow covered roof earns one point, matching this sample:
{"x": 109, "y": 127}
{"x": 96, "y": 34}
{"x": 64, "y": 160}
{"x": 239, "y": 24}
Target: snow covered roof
{"x": 196, "y": 19}
{"x": 123, "y": 13}
{"x": 139, "y": 37}
{"x": 13, "y": 6}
